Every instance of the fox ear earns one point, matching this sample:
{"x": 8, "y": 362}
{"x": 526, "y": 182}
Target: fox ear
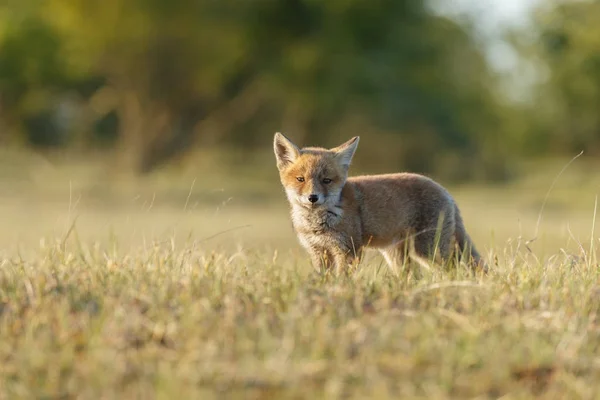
{"x": 345, "y": 152}
{"x": 286, "y": 152}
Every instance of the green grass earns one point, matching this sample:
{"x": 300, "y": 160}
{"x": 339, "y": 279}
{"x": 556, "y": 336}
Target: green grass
{"x": 163, "y": 323}
{"x": 171, "y": 294}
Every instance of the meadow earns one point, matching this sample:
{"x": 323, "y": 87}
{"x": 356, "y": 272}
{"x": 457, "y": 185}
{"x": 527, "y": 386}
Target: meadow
{"x": 190, "y": 284}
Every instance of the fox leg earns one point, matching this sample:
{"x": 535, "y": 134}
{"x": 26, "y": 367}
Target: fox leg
{"x": 329, "y": 258}
{"x": 316, "y": 260}
{"x": 343, "y": 259}
{"x": 395, "y": 255}
{"x": 354, "y": 257}
{"x": 391, "y": 258}
{"x": 435, "y": 240}
{"x": 319, "y": 258}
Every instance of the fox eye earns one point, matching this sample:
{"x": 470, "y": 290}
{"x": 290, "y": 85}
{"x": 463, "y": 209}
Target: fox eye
{"x": 326, "y": 181}
{"x": 300, "y": 179}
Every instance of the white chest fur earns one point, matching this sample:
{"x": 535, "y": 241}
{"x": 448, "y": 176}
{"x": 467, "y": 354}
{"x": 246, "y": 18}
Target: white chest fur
{"x": 316, "y": 220}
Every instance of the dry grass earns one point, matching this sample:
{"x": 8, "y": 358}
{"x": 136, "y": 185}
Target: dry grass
{"x": 163, "y": 322}
{"x": 140, "y": 299}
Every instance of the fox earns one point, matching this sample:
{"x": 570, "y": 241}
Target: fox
{"x": 337, "y": 217}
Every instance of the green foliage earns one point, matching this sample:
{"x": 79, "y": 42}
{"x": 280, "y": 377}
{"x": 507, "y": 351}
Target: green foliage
{"x": 31, "y": 73}
{"x": 567, "y": 53}
{"x": 183, "y": 72}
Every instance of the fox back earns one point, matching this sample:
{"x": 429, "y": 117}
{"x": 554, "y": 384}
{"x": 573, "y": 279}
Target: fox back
{"x": 335, "y": 217}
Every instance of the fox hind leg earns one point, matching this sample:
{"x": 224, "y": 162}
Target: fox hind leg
{"x": 396, "y": 256}
{"x": 435, "y": 240}
{"x": 390, "y": 259}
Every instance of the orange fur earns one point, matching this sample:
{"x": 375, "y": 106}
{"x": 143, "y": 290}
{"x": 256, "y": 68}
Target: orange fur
{"x": 387, "y": 212}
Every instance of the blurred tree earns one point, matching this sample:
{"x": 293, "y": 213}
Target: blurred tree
{"x": 394, "y": 63}
{"x": 165, "y": 65}
{"x": 168, "y": 74}
{"x": 31, "y": 75}
{"x": 567, "y": 55}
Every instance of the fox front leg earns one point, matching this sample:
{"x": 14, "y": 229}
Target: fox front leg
{"x": 319, "y": 258}
{"x": 345, "y": 259}
{"x": 330, "y": 259}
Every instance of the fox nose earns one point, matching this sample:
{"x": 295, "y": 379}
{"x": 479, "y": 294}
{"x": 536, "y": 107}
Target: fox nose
{"x": 313, "y": 198}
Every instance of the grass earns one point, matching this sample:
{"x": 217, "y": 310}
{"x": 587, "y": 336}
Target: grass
{"x": 163, "y": 323}
{"x": 146, "y": 299}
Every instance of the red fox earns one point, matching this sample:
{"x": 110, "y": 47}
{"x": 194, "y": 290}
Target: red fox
{"x": 335, "y": 216}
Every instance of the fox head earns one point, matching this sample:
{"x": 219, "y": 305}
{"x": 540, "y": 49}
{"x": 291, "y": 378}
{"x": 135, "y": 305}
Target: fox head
{"x": 313, "y": 176}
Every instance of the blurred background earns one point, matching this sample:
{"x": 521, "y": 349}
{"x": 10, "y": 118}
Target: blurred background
{"x": 153, "y": 119}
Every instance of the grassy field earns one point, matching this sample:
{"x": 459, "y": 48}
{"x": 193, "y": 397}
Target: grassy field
{"x": 197, "y": 288}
